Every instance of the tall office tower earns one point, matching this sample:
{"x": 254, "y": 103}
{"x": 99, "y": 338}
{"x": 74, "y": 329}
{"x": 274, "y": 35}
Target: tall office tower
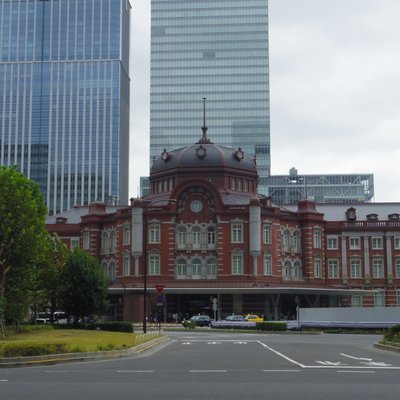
{"x": 64, "y": 97}
{"x": 216, "y": 49}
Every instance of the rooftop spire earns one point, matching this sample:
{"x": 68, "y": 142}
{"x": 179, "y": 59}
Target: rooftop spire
{"x": 204, "y": 138}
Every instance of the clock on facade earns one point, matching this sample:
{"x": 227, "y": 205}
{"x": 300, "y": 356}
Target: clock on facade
{"x": 196, "y": 206}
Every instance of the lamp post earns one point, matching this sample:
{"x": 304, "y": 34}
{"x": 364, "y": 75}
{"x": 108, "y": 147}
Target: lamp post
{"x": 145, "y": 231}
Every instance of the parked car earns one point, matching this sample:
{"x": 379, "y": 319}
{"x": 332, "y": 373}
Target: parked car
{"x": 42, "y": 318}
{"x": 234, "y": 318}
{"x": 199, "y": 320}
{"x": 253, "y": 318}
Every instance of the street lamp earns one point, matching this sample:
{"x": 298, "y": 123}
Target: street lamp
{"x": 144, "y": 220}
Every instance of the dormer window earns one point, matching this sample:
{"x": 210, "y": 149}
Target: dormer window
{"x": 239, "y": 154}
{"x": 61, "y": 220}
{"x": 165, "y": 155}
{"x": 394, "y": 217}
{"x": 351, "y": 214}
{"x": 372, "y": 217}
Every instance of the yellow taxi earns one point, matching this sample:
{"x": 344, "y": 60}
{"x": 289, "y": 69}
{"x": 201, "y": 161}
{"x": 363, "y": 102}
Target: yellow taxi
{"x": 253, "y": 318}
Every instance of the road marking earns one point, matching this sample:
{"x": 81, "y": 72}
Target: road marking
{"x": 281, "y": 370}
{"x": 140, "y": 371}
{"x": 331, "y": 363}
{"x": 213, "y": 342}
{"x": 207, "y": 370}
{"x": 282, "y": 355}
{"x": 186, "y": 343}
{"x": 239, "y": 342}
{"x": 3, "y": 380}
{"x": 376, "y": 364}
{"x": 55, "y": 371}
{"x": 355, "y": 372}
{"x": 356, "y": 358}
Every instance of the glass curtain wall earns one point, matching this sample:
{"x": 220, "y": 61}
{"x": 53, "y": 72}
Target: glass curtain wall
{"x": 63, "y": 110}
{"x": 216, "y": 49}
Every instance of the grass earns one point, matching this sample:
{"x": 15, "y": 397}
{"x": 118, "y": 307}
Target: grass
{"x": 75, "y": 341}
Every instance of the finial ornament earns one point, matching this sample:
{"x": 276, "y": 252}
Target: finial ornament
{"x": 204, "y": 138}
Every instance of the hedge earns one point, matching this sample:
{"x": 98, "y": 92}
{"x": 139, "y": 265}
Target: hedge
{"x": 112, "y": 326}
{"x": 31, "y": 349}
{"x": 271, "y": 326}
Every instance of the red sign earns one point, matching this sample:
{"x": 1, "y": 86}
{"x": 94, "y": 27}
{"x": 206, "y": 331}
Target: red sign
{"x": 159, "y": 288}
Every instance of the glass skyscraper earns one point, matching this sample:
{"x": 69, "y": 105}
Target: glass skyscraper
{"x": 64, "y": 97}
{"x": 216, "y": 49}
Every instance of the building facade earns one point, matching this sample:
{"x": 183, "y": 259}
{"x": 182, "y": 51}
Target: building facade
{"x": 333, "y": 188}
{"x": 64, "y": 97}
{"x": 214, "y": 49}
{"x": 204, "y": 233}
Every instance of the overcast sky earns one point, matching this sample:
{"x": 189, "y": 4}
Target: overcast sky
{"x": 334, "y": 90}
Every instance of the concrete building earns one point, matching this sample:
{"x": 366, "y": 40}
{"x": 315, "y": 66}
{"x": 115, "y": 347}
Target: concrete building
{"x": 204, "y": 233}
{"x": 64, "y": 97}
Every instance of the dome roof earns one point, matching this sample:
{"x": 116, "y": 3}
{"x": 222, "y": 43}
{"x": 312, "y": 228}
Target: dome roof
{"x": 204, "y": 154}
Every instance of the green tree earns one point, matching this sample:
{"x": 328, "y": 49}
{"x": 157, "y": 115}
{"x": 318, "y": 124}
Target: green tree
{"x": 85, "y": 286}
{"x": 22, "y": 225}
{"x": 50, "y": 268}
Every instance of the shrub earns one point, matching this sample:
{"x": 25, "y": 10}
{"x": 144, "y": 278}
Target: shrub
{"x": 115, "y": 326}
{"x": 271, "y": 326}
{"x": 189, "y": 324}
{"x": 392, "y": 334}
{"x": 112, "y": 326}
{"x": 32, "y": 349}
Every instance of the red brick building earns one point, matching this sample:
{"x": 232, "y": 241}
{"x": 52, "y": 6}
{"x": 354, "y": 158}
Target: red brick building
{"x": 205, "y": 234}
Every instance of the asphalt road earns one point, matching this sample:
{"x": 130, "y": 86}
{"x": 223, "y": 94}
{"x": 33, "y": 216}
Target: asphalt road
{"x": 215, "y": 365}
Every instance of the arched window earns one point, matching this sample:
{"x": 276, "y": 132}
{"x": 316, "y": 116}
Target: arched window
{"x": 196, "y": 268}
{"x": 286, "y": 240}
{"x": 127, "y": 264}
{"x": 111, "y": 271}
{"x": 196, "y": 235}
{"x": 181, "y": 237}
{"x": 297, "y": 242}
{"x": 286, "y": 269}
{"x": 86, "y": 239}
{"x": 113, "y": 242}
{"x": 211, "y": 237}
{"x": 297, "y": 273}
{"x": 212, "y": 268}
{"x": 127, "y": 234}
{"x": 104, "y": 242}
{"x": 181, "y": 268}
{"x": 104, "y": 265}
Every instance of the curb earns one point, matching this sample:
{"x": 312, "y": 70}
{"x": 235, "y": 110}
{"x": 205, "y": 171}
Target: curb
{"x": 51, "y": 359}
{"x": 387, "y": 347}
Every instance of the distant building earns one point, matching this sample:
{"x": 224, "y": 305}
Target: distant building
{"x": 333, "y": 188}
{"x": 215, "y": 49}
{"x": 64, "y": 97}
{"x": 204, "y": 233}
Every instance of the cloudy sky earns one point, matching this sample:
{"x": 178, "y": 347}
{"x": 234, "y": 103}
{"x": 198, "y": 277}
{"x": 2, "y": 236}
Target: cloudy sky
{"x": 334, "y": 88}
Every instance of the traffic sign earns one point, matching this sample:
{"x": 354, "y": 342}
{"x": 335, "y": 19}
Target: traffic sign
{"x": 159, "y": 288}
{"x": 160, "y": 300}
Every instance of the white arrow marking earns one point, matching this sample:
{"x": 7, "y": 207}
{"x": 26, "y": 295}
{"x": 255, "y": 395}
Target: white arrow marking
{"x": 186, "y": 343}
{"x": 356, "y": 358}
{"x": 336, "y": 364}
{"x": 376, "y": 364}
